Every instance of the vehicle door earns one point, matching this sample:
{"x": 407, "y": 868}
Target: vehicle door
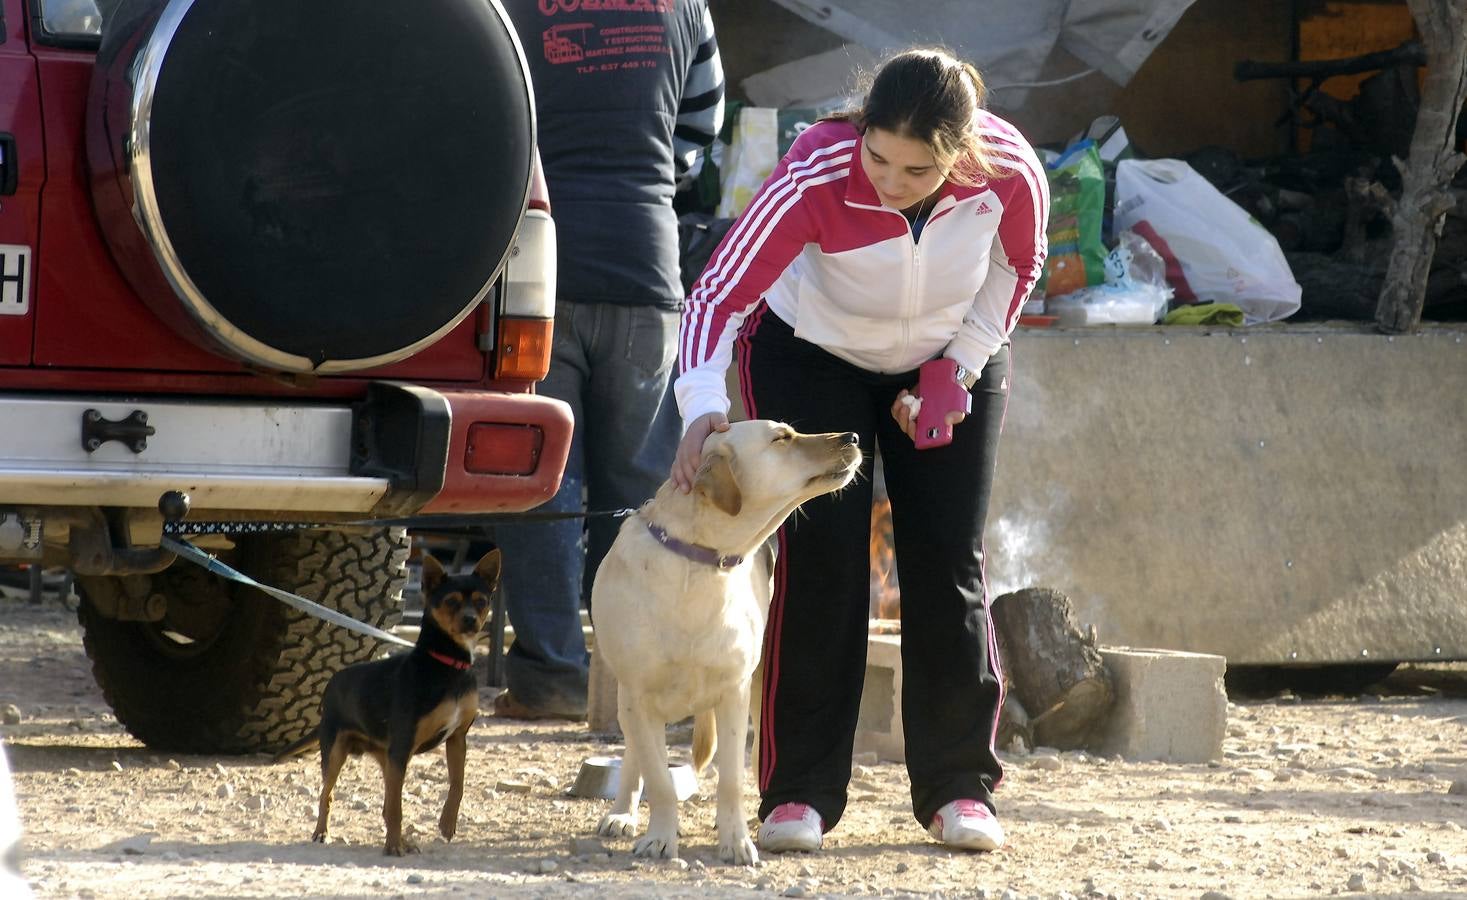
{"x": 22, "y": 176}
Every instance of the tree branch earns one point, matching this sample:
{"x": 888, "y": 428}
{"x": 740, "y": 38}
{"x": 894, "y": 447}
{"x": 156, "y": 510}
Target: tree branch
{"x": 1427, "y": 174}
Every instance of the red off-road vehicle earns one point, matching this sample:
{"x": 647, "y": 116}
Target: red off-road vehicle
{"x": 294, "y": 260}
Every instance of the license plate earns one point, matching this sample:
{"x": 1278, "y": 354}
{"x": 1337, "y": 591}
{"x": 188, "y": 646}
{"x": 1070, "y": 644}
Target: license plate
{"x": 15, "y": 279}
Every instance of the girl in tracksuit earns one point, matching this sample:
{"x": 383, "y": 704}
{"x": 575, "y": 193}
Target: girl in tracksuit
{"x": 909, "y": 229}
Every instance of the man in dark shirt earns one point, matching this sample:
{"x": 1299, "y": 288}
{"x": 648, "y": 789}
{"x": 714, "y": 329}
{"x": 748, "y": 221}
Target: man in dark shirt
{"x": 626, "y": 92}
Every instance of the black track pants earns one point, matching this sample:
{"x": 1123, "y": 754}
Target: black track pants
{"x": 815, "y": 642}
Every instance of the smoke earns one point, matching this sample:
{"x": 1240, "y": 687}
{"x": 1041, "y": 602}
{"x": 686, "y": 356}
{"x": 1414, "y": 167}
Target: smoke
{"x": 1019, "y": 547}
{"x": 1011, "y": 553}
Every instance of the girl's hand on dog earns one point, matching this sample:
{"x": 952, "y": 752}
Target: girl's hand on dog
{"x": 905, "y": 408}
{"x": 690, "y": 450}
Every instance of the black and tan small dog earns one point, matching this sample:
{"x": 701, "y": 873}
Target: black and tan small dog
{"x": 393, "y": 709}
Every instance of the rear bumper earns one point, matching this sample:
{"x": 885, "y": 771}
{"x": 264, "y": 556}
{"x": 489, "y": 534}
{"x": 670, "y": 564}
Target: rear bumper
{"x": 384, "y": 456}
{"x": 466, "y": 491}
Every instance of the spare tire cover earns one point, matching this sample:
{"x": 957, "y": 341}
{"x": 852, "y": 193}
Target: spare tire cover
{"x": 311, "y": 186}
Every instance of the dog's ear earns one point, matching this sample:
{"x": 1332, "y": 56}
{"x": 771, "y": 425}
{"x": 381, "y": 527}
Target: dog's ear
{"x": 488, "y": 568}
{"x": 432, "y": 574}
{"x": 716, "y": 481}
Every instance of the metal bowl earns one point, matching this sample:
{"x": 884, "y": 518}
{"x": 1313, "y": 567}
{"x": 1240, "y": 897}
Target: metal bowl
{"x": 600, "y": 776}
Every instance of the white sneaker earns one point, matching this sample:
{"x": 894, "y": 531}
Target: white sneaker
{"x": 791, "y": 826}
{"x": 967, "y": 825}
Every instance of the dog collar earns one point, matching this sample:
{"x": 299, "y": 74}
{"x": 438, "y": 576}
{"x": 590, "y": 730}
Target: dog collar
{"x": 695, "y": 552}
{"x": 450, "y": 661}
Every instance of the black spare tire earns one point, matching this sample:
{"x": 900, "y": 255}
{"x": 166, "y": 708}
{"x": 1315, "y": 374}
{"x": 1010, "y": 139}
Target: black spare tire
{"x": 321, "y": 186}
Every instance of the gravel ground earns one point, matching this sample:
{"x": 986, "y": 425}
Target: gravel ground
{"x": 1362, "y": 796}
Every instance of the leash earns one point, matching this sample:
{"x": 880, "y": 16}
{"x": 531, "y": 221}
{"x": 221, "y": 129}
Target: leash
{"x": 210, "y": 563}
{"x": 175, "y": 530}
{"x": 476, "y": 523}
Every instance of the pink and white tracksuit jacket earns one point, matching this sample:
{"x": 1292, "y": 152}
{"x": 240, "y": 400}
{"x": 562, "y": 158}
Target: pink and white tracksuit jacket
{"x": 845, "y": 273}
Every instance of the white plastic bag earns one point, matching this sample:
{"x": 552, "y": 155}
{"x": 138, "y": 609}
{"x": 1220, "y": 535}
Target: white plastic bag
{"x": 1214, "y": 250}
{"x": 752, "y": 155}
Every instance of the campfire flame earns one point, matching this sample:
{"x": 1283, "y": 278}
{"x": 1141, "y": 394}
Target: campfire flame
{"x": 886, "y": 594}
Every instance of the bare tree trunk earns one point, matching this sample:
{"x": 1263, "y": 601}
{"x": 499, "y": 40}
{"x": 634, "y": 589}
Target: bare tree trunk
{"x": 1434, "y": 161}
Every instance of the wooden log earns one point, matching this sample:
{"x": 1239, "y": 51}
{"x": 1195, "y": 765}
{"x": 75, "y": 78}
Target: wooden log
{"x": 1366, "y": 199}
{"x": 1447, "y": 284}
{"x": 1053, "y": 668}
{"x": 1315, "y": 229}
{"x": 1385, "y": 109}
{"x": 1339, "y": 113}
{"x": 1410, "y": 53}
{"x": 1426, "y": 177}
{"x": 1013, "y": 725}
{"x": 1335, "y": 288}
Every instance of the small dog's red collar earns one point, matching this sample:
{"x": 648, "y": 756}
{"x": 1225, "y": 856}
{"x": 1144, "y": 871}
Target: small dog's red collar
{"x": 450, "y": 661}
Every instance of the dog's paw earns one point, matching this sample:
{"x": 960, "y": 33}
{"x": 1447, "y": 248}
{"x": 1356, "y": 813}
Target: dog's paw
{"x": 656, "y": 846}
{"x": 448, "y": 826}
{"x": 319, "y": 837}
{"x": 401, "y": 848}
{"x": 617, "y": 825}
{"x": 739, "y": 850}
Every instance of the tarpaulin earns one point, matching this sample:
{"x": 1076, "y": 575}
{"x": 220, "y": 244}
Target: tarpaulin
{"x": 1010, "y": 42}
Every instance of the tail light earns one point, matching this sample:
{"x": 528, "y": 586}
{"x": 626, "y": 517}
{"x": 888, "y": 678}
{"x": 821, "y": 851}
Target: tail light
{"x": 496, "y": 448}
{"x": 526, "y": 318}
{"x": 523, "y": 350}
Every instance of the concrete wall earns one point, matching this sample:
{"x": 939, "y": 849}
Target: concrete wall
{"x": 1278, "y": 494}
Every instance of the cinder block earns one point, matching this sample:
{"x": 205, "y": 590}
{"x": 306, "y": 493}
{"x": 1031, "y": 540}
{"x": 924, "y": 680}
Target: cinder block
{"x": 879, "y": 724}
{"x": 1170, "y": 705}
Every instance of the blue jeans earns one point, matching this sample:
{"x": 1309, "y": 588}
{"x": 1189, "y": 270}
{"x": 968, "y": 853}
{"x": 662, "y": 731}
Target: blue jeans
{"x": 613, "y": 365}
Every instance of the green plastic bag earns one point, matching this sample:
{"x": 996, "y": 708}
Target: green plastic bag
{"x": 1076, "y": 216}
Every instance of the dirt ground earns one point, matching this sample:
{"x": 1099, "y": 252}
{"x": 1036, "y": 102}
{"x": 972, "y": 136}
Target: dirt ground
{"x": 1344, "y": 795}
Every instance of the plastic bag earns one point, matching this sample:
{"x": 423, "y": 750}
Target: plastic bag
{"x": 1135, "y": 290}
{"x": 1135, "y": 261}
{"x": 751, "y": 156}
{"x": 1214, "y": 250}
{"x": 1110, "y": 139}
{"x": 1076, "y": 210}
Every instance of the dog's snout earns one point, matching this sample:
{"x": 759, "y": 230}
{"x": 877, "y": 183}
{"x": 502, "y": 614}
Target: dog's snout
{"x": 850, "y": 437}
{"x": 468, "y": 624}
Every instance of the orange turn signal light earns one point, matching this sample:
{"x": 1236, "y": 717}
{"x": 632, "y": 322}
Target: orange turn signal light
{"x": 501, "y": 448}
{"x": 523, "y": 348}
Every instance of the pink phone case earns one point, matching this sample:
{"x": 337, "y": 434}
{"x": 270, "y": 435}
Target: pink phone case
{"x": 937, "y": 385}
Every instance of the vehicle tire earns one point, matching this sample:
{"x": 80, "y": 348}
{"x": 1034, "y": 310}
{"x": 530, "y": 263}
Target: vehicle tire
{"x": 230, "y": 669}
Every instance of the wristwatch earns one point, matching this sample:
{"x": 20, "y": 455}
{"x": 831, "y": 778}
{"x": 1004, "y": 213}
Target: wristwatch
{"x": 966, "y": 377}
